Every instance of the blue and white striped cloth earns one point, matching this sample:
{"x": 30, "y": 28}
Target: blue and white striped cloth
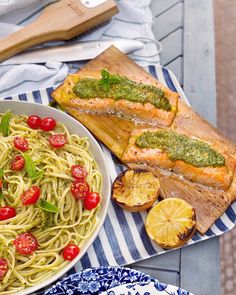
{"x": 122, "y": 239}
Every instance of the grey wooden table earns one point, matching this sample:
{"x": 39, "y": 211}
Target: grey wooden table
{"x": 186, "y": 30}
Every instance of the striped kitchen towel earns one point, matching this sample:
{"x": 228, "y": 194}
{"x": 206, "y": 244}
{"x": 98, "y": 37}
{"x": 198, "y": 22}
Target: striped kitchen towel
{"x": 122, "y": 239}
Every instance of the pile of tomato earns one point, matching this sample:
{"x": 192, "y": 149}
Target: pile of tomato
{"x": 27, "y": 243}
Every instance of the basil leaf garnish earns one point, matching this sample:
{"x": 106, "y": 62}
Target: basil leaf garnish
{"x": 49, "y": 207}
{"x": 1, "y": 173}
{"x": 108, "y": 79}
{"x": 4, "y": 126}
{"x": 31, "y": 168}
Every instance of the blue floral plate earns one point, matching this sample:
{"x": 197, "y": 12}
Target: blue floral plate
{"x": 98, "y": 280}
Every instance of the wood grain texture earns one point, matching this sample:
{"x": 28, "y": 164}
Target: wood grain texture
{"x": 172, "y": 46}
{"x": 200, "y": 264}
{"x": 199, "y": 49}
{"x": 174, "y": 16}
{"x": 59, "y": 21}
{"x": 159, "y": 7}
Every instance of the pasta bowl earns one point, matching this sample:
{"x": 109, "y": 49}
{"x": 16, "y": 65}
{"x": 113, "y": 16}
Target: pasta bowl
{"x": 18, "y": 107}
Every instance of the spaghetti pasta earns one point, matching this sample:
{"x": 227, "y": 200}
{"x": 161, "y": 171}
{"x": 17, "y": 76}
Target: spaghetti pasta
{"x": 53, "y": 231}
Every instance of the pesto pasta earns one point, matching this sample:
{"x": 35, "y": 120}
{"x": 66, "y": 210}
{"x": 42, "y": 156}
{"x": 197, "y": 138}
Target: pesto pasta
{"x": 63, "y": 221}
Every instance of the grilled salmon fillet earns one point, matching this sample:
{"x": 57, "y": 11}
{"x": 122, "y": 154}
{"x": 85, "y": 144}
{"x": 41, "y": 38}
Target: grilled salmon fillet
{"x": 139, "y": 112}
{"x": 216, "y": 177}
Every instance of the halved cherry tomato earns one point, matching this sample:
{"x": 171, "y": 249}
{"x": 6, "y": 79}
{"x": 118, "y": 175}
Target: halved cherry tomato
{"x": 0, "y": 184}
{"x": 91, "y": 201}
{"x": 21, "y": 143}
{"x": 3, "y": 267}
{"x": 48, "y": 124}
{"x": 18, "y": 163}
{"x": 79, "y": 189}
{"x": 57, "y": 140}
{"x": 7, "y": 212}
{"x": 70, "y": 252}
{"x": 34, "y": 121}
{"x": 26, "y": 243}
{"x": 78, "y": 171}
{"x": 30, "y": 196}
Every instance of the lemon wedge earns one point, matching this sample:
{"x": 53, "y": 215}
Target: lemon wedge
{"x": 171, "y": 223}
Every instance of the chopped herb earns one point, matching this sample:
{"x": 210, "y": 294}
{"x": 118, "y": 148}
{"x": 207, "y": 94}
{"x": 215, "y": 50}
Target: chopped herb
{"x": 120, "y": 87}
{"x": 181, "y": 147}
{"x": 1, "y": 173}
{"x": 4, "y": 126}
{"x": 31, "y": 168}
{"x": 49, "y": 207}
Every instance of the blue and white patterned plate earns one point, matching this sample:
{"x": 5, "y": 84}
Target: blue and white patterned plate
{"x": 150, "y": 288}
{"x": 110, "y": 280}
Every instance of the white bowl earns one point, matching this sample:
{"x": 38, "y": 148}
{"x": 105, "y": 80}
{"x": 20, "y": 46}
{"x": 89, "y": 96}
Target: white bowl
{"x": 18, "y": 107}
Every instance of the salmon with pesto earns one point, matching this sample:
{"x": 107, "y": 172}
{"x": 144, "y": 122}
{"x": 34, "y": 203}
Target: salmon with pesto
{"x": 111, "y": 94}
{"x": 189, "y": 157}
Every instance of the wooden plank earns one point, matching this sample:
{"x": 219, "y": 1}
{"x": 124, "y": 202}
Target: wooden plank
{"x": 200, "y": 265}
{"x": 172, "y": 47}
{"x": 169, "y": 277}
{"x": 199, "y": 64}
{"x": 176, "y": 66}
{"x": 160, "y": 6}
{"x": 173, "y": 17}
{"x": 169, "y": 261}
{"x": 200, "y": 273}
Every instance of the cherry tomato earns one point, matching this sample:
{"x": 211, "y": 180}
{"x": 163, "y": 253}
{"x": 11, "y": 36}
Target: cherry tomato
{"x": 79, "y": 189}
{"x": 7, "y": 212}
{"x": 57, "y": 140}
{"x": 91, "y": 201}
{"x": 70, "y": 252}
{"x": 78, "y": 171}
{"x": 18, "y": 163}
{"x": 21, "y": 143}
{"x": 33, "y": 121}
{"x": 48, "y": 124}
{"x": 26, "y": 243}
{"x": 0, "y": 184}
{"x": 30, "y": 196}
{"x": 3, "y": 267}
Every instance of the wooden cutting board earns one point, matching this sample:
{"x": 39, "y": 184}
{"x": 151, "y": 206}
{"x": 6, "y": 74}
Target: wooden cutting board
{"x": 114, "y": 132}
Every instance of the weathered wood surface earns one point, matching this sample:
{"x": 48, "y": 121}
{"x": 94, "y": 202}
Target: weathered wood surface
{"x": 197, "y": 267}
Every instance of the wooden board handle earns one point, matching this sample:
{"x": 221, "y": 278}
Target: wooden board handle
{"x": 27, "y": 37}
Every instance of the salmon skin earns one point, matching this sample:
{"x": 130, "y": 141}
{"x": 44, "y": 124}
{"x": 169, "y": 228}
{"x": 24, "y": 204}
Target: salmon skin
{"x": 216, "y": 177}
{"x": 145, "y": 113}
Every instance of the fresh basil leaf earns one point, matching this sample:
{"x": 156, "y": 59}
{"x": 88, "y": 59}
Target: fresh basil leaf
{"x": 105, "y": 74}
{"x": 114, "y": 79}
{"x": 1, "y": 194}
{"x": 31, "y": 168}
{"x": 5, "y": 127}
{"x": 37, "y": 174}
{"x": 1, "y": 173}
{"x": 106, "y": 86}
{"x": 49, "y": 207}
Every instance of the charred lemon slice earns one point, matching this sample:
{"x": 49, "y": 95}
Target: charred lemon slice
{"x": 171, "y": 223}
{"x": 135, "y": 190}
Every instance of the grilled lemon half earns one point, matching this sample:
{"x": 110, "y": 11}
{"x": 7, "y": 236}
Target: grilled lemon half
{"x": 135, "y": 190}
{"x": 171, "y": 223}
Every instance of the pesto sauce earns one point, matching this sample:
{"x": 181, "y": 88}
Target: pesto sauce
{"x": 181, "y": 147}
{"x": 123, "y": 89}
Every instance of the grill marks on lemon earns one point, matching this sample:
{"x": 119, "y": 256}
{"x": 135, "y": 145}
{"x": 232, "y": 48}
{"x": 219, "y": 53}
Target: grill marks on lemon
{"x": 171, "y": 223}
{"x": 135, "y": 190}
